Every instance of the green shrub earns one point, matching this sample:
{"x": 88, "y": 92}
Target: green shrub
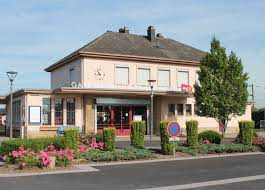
{"x": 36, "y": 144}
{"x": 167, "y": 147}
{"x": 127, "y": 154}
{"x": 71, "y": 138}
{"x": 216, "y": 149}
{"x": 109, "y": 135}
{"x": 212, "y": 136}
{"x": 192, "y": 132}
{"x": 138, "y": 130}
{"x": 246, "y": 132}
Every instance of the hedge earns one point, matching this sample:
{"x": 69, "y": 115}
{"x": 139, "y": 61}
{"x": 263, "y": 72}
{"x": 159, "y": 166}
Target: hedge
{"x": 138, "y": 130}
{"x": 36, "y": 144}
{"x": 192, "y": 132}
{"x": 167, "y": 147}
{"x": 216, "y": 149}
{"x": 246, "y": 129}
{"x": 109, "y": 135}
{"x": 212, "y": 136}
{"x": 71, "y": 138}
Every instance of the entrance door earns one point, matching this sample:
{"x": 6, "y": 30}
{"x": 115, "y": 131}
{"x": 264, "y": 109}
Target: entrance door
{"x": 120, "y": 117}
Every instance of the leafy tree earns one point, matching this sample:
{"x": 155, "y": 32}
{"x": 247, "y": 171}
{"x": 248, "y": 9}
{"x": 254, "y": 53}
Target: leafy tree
{"x": 221, "y": 92}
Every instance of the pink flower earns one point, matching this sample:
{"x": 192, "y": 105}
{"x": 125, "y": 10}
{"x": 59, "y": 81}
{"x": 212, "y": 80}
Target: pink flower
{"x": 23, "y": 164}
{"x": 15, "y": 154}
{"x": 81, "y": 149}
{"x": 94, "y": 143}
{"x": 4, "y": 157}
{"x": 206, "y": 142}
{"x": 70, "y": 158}
{"x": 51, "y": 147}
{"x": 101, "y": 145}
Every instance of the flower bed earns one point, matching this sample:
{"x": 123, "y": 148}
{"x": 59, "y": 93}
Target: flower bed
{"x": 203, "y": 149}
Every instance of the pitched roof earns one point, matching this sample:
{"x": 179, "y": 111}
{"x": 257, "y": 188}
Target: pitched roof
{"x": 125, "y": 44}
{"x": 131, "y": 44}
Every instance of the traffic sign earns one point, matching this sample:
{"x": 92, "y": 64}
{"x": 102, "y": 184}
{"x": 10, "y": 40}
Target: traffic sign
{"x": 173, "y": 129}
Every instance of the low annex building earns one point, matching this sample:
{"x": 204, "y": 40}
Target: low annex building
{"x": 105, "y": 84}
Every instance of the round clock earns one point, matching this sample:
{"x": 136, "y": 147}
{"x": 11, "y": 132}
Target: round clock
{"x": 99, "y": 74}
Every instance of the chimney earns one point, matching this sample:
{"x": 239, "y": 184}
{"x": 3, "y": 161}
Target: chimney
{"x": 124, "y": 30}
{"x": 151, "y": 34}
{"x": 159, "y": 35}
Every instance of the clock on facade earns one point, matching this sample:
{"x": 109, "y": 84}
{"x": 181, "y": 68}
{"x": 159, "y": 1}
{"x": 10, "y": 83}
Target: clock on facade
{"x": 99, "y": 74}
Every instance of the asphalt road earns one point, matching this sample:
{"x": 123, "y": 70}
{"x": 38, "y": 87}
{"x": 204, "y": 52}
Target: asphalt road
{"x": 151, "y": 175}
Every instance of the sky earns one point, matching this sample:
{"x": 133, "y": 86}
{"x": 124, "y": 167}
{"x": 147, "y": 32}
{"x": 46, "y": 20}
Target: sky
{"x": 35, "y": 34}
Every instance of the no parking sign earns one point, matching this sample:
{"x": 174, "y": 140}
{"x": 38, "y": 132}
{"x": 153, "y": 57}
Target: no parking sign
{"x": 174, "y": 130}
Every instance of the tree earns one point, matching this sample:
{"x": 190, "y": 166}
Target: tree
{"x": 221, "y": 92}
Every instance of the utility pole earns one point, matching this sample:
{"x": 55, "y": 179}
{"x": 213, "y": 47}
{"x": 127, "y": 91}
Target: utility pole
{"x": 252, "y": 95}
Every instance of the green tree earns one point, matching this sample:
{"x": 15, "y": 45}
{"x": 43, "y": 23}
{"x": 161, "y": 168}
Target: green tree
{"x": 221, "y": 92}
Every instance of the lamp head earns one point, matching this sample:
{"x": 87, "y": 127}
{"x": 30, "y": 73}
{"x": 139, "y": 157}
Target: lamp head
{"x": 11, "y": 75}
{"x": 151, "y": 82}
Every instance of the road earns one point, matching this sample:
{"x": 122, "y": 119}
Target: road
{"x": 248, "y": 171}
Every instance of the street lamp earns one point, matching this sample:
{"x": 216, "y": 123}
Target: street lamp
{"x": 11, "y": 75}
{"x": 151, "y": 84}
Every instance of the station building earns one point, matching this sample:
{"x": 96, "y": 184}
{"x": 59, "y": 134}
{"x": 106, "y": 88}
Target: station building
{"x": 104, "y": 83}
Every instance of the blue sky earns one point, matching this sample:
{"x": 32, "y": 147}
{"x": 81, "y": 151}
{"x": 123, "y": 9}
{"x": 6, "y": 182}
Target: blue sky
{"x": 35, "y": 34}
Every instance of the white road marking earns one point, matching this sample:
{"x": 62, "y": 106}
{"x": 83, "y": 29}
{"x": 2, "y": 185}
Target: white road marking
{"x": 209, "y": 183}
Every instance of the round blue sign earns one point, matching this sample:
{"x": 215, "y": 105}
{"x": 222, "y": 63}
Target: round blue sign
{"x": 173, "y": 129}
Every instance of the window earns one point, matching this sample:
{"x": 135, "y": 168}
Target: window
{"x": 46, "y": 111}
{"x": 70, "y": 109}
{"x": 163, "y": 78}
{"x": 188, "y": 110}
{"x": 183, "y": 78}
{"x": 171, "y": 109}
{"x": 143, "y": 75}
{"x": 180, "y": 109}
{"x": 71, "y": 75}
{"x": 58, "y": 111}
{"x": 16, "y": 112}
{"x": 122, "y": 75}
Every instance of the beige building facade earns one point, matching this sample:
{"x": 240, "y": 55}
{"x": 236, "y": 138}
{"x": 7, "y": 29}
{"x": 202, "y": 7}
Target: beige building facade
{"x": 105, "y": 84}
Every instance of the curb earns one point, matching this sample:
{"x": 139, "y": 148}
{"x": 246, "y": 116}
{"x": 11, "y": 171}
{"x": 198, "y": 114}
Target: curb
{"x": 174, "y": 159}
{"x": 82, "y": 168}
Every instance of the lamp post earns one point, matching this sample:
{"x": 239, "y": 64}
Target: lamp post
{"x": 151, "y": 84}
{"x": 11, "y": 75}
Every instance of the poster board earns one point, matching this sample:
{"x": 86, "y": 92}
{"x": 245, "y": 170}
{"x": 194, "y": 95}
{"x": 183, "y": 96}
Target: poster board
{"x": 137, "y": 118}
{"x": 34, "y": 114}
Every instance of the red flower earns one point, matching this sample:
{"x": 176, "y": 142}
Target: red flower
{"x": 23, "y": 164}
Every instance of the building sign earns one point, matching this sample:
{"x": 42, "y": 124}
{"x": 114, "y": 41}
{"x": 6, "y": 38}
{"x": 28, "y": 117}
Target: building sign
{"x": 76, "y": 85}
{"x": 34, "y": 114}
{"x": 186, "y": 88}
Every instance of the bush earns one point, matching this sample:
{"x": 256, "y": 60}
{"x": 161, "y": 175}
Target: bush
{"x": 192, "y": 132}
{"x": 138, "y": 130}
{"x": 127, "y": 154}
{"x": 109, "y": 135}
{"x": 212, "y": 136}
{"x": 36, "y": 144}
{"x": 167, "y": 147}
{"x": 216, "y": 148}
{"x": 71, "y": 138}
{"x": 246, "y": 132}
